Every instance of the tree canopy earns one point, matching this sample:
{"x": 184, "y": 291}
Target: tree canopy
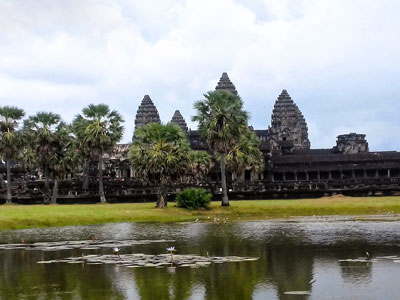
{"x": 222, "y": 121}
{"x": 159, "y": 154}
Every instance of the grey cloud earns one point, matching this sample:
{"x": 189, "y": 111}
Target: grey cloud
{"x": 338, "y": 59}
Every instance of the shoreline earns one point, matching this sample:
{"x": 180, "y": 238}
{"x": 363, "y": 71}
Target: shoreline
{"x": 320, "y": 209}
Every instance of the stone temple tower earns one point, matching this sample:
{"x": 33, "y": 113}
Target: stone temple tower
{"x": 288, "y": 129}
{"x": 146, "y": 113}
{"x": 225, "y": 84}
{"x": 178, "y": 119}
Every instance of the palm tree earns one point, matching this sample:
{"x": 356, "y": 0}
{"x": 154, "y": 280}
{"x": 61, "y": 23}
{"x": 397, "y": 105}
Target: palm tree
{"x": 79, "y": 126}
{"x": 65, "y": 157}
{"x": 245, "y": 155}
{"x": 10, "y": 139}
{"x": 200, "y": 165}
{"x": 102, "y": 129}
{"x": 160, "y": 154}
{"x": 222, "y": 121}
{"x": 41, "y": 130}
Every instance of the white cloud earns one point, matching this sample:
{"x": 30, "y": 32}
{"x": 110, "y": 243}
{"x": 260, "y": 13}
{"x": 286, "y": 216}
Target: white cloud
{"x": 338, "y": 59}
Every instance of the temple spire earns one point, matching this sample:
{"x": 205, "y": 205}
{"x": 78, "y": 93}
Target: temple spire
{"x": 146, "y": 113}
{"x": 226, "y": 84}
{"x": 288, "y": 125}
{"x": 178, "y": 119}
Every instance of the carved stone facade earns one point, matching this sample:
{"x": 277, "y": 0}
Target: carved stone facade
{"x": 292, "y": 169}
{"x": 178, "y": 119}
{"x": 288, "y": 130}
{"x": 146, "y": 113}
{"x": 351, "y": 143}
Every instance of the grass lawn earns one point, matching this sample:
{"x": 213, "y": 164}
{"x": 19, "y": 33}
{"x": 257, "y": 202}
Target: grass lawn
{"x": 30, "y": 216}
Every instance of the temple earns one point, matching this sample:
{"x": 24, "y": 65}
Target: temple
{"x": 146, "y": 113}
{"x": 178, "y": 119}
{"x": 292, "y": 167}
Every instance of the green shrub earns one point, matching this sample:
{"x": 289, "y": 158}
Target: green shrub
{"x": 193, "y": 198}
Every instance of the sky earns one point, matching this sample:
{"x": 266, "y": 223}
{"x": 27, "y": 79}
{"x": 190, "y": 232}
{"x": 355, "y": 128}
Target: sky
{"x": 338, "y": 59}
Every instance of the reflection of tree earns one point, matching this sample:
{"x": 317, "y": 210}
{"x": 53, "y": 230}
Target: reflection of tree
{"x": 291, "y": 268}
{"x": 230, "y": 281}
{"x": 23, "y": 278}
{"x": 161, "y": 284}
{"x": 354, "y": 272}
{"x": 284, "y": 260}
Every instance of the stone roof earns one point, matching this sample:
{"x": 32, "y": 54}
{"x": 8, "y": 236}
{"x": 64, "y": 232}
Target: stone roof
{"x": 178, "y": 119}
{"x": 146, "y": 113}
{"x": 225, "y": 84}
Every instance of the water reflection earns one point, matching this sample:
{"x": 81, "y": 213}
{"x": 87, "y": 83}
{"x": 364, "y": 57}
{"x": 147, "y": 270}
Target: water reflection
{"x": 294, "y": 256}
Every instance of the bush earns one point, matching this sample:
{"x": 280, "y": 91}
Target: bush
{"x": 193, "y": 198}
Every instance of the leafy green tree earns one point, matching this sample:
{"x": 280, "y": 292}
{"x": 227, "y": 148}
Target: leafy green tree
{"x": 10, "y": 139}
{"x": 200, "y": 165}
{"x": 160, "y": 154}
{"x": 41, "y": 130}
{"x": 245, "y": 155}
{"x": 222, "y": 121}
{"x": 101, "y": 129}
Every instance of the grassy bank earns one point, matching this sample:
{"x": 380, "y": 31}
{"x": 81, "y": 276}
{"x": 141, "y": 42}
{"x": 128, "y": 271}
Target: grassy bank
{"x": 30, "y": 216}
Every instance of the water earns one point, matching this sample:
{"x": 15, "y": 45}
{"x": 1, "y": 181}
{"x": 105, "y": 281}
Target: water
{"x": 301, "y": 255}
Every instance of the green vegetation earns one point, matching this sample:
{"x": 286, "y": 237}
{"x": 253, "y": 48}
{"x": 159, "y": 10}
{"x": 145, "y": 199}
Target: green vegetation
{"x": 161, "y": 154}
{"x": 29, "y": 216}
{"x": 10, "y": 139}
{"x": 51, "y": 143}
{"x": 100, "y": 129}
{"x": 222, "y": 121}
{"x": 200, "y": 165}
{"x": 245, "y": 155}
{"x": 193, "y": 198}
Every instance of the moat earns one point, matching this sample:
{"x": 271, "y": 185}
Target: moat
{"x": 309, "y": 258}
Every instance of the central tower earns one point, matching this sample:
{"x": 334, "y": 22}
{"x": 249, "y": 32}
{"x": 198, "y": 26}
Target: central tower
{"x": 288, "y": 129}
{"x": 225, "y": 84}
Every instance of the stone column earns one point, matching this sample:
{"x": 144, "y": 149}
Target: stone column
{"x": 376, "y": 173}
{"x": 318, "y": 175}
{"x": 341, "y": 174}
{"x": 330, "y": 175}
{"x": 388, "y": 173}
{"x": 295, "y": 176}
{"x": 283, "y": 176}
{"x": 365, "y": 174}
{"x": 307, "y": 177}
{"x": 353, "y": 174}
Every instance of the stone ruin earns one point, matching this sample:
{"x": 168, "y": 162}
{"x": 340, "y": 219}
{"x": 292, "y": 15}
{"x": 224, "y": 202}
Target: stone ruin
{"x": 178, "y": 119}
{"x": 288, "y": 130}
{"x": 292, "y": 169}
{"x": 225, "y": 84}
{"x": 351, "y": 143}
{"x": 146, "y": 113}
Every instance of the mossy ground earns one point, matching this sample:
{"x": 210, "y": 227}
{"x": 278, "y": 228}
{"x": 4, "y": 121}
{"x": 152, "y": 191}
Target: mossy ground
{"x": 31, "y": 216}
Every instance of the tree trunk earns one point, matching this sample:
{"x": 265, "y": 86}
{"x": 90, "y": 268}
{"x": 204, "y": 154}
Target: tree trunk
{"x": 2, "y": 183}
{"x": 161, "y": 200}
{"x": 101, "y": 186}
{"x": 225, "y": 200}
{"x": 55, "y": 191}
{"x": 9, "y": 194}
{"x": 85, "y": 183}
{"x": 46, "y": 197}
